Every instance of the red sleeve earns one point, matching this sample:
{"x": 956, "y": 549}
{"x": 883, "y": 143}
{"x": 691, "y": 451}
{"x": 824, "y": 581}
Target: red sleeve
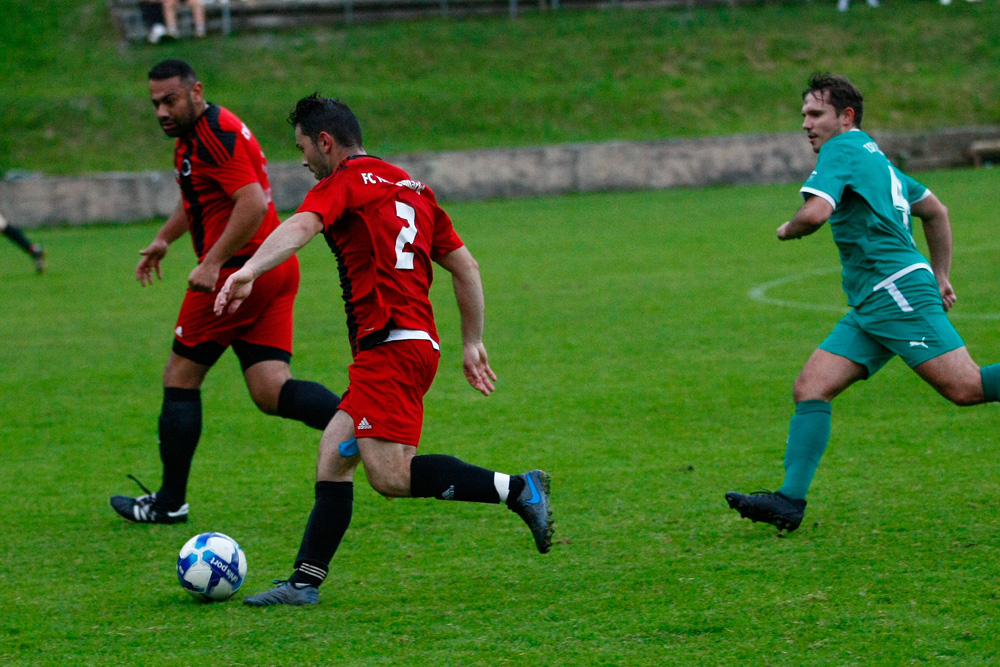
{"x": 235, "y": 172}
{"x": 445, "y": 238}
{"x": 327, "y": 199}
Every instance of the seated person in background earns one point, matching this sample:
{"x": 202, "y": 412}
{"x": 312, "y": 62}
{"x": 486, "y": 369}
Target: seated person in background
{"x": 152, "y": 18}
{"x": 842, "y": 5}
{"x": 170, "y": 17}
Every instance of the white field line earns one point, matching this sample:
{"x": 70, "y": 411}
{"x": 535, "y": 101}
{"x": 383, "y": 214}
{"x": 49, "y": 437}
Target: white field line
{"x": 759, "y": 293}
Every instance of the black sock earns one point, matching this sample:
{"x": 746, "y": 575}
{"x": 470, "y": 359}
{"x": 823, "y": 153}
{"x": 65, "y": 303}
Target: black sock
{"x": 447, "y": 478}
{"x": 180, "y": 429}
{"x": 309, "y": 402}
{"x": 18, "y": 237}
{"x": 330, "y": 517}
{"x": 517, "y": 485}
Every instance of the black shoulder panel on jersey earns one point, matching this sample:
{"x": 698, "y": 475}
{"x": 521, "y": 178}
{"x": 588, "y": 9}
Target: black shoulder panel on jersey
{"x": 227, "y": 138}
{"x": 215, "y": 145}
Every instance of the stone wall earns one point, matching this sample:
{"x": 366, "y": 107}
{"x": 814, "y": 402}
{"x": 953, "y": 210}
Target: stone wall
{"x": 499, "y": 173}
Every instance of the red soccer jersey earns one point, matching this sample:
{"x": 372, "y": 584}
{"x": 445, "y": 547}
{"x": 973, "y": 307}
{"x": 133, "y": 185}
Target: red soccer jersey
{"x": 217, "y": 158}
{"x": 384, "y": 230}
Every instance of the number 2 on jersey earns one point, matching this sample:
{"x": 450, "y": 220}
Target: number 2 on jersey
{"x": 404, "y": 260}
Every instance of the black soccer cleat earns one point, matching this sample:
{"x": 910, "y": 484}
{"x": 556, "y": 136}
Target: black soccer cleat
{"x": 285, "y": 593}
{"x": 774, "y": 508}
{"x": 38, "y": 257}
{"x": 532, "y": 505}
{"x": 145, "y": 509}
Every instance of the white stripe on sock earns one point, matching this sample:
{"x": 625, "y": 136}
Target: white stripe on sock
{"x": 312, "y": 570}
{"x": 502, "y": 484}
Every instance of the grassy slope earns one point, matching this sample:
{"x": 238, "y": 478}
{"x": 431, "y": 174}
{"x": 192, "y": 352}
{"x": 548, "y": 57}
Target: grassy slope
{"x": 71, "y": 102}
{"x": 633, "y": 367}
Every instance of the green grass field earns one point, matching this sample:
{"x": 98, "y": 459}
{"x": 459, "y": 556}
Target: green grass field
{"x": 634, "y": 367}
{"x": 73, "y": 102}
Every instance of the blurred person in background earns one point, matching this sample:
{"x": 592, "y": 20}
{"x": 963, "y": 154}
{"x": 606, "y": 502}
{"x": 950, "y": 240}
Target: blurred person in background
{"x": 18, "y": 238}
{"x": 842, "y": 5}
{"x": 151, "y": 12}
{"x": 197, "y": 13}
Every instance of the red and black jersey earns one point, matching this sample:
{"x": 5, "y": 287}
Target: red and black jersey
{"x": 384, "y": 229}
{"x": 217, "y": 158}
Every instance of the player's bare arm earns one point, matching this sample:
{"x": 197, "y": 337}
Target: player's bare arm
{"x": 472, "y": 307}
{"x": 248, "y": 212}
{"x": 175, "y": 227}
{"x": 282, "y": 243}
{"x": 809, "y": 218}
{"x": 937, "y": 229}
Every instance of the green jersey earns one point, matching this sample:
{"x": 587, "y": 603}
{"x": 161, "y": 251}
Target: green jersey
{"x": 871, "y": 223}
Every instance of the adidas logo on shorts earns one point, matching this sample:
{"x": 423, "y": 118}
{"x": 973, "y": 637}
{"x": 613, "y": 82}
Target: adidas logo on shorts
{"x": 364, "y": 425}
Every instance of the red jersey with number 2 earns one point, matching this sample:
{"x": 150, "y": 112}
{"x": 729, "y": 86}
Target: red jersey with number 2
{"x": 217, "y": 158}
{"x": 384, "y": 229}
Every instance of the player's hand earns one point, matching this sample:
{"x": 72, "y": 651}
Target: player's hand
{"x": 783, "y": 232}
{"x": 948, "y": 297}
{"x": 204, "y": 277}
{"x": 150, "y": 262}
{"x": 236, "y": 290}
{"x": 477, "y": 369}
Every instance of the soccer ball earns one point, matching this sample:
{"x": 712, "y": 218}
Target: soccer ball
{"x": 211, "y": 566}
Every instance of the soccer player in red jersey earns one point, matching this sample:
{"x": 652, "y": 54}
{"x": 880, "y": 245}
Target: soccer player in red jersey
{"x": 226, "y": 206}
{"x": 385, "y": 229}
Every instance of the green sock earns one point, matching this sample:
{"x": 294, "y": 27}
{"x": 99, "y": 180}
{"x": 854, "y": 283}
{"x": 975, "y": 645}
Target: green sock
{"x": 808, "y": 435}
{"x": 991, "y": 382}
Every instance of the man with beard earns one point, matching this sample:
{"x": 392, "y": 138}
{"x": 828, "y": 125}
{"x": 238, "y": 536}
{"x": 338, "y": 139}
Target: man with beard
{"x": 386, "y": 232}
{"x": 226, "y": 206}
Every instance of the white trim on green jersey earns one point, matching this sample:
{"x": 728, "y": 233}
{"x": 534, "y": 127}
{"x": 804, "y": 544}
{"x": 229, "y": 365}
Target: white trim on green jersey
{"x": 819, "y": 193}
{"x": 902, "y": 272}
{"x": 889, "y": 284}
{"x": 870, "y": 221}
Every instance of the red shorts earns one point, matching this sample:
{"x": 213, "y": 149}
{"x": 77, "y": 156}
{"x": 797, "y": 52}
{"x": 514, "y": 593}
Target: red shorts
{"x": 265, "y": 318}
{"x": 386, "y": 387}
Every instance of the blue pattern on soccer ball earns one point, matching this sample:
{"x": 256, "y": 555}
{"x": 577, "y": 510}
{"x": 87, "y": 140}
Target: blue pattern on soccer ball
{"x": 203, "y": 539}
{"x": 198, "y": 555}
{"x": 183, "y": 565}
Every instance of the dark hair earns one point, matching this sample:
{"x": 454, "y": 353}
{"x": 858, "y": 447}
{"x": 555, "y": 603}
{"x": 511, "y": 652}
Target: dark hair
{"x": 315, "y": 114}
{"x": 168, "y": 69}
{"x": 843, "y": 93}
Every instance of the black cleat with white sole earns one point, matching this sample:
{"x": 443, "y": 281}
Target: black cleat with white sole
{"x": 145, "y": 509}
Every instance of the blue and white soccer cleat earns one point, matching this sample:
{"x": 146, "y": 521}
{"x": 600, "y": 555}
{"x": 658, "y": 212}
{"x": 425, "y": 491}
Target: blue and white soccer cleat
{"x": 532, "y": 505}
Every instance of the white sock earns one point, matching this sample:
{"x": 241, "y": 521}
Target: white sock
{"x": 502, "y": 484}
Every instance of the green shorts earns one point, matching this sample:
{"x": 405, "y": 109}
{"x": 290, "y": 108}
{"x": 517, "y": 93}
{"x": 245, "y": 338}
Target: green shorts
{"x": 908, "y": 320}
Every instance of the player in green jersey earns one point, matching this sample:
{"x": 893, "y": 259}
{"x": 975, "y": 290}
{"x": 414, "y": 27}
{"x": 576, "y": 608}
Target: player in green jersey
{"x": 898, "y": 299}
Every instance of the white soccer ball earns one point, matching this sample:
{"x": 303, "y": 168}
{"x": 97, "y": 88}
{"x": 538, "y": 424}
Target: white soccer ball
{"x": 211, "y": 566}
